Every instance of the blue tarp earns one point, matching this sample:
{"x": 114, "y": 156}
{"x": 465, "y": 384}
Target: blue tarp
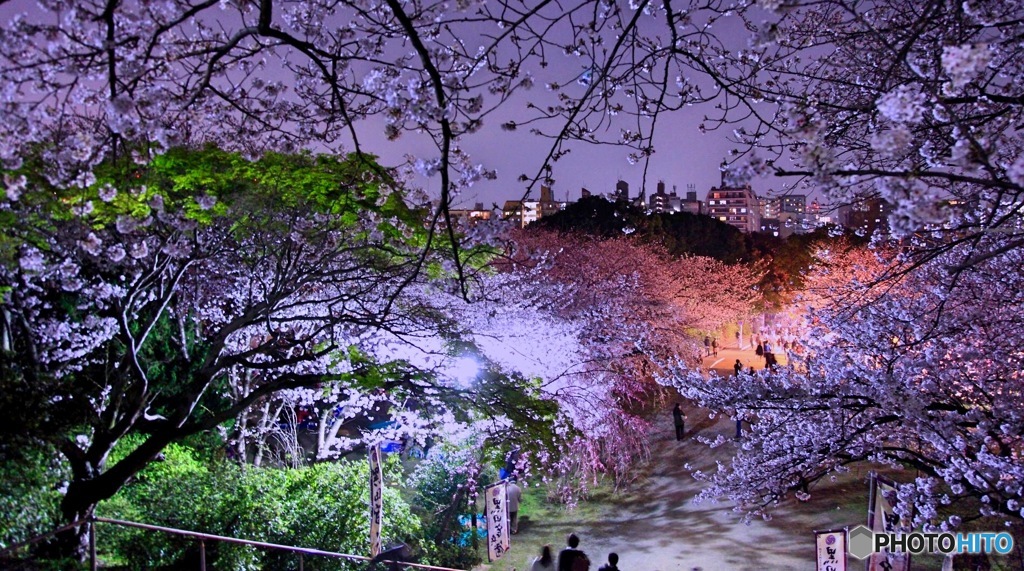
{"x": 466, "y": 538}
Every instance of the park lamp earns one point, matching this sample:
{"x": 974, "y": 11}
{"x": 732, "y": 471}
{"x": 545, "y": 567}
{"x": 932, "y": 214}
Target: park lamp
{"x": 464, "y": 371}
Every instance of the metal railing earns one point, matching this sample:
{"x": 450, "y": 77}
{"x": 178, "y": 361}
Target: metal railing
{"x": 203, "y": 538}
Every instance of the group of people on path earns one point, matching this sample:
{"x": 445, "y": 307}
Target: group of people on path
{"x": 571, "y": 558}
{"x": 710, "y": 346}
{"x": 766, "y": 351}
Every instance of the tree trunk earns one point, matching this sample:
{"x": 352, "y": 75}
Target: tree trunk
{"x": 92, "y": 482}
{"x": 70, "y": 544}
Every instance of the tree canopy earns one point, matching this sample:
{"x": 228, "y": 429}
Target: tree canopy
{"x": 238, "y": 288}
{"x": 169, "y": 304}
{"x": 678, "y": 233}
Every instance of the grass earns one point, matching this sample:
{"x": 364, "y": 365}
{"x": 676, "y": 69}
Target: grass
{"x": 544, "y": 522}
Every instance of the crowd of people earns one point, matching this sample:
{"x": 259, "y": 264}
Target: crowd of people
{"x": 571, "y": 558}
{"x": 769, "y": 346}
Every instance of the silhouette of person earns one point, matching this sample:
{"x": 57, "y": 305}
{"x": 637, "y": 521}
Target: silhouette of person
{"x": 680, "y": 420}
{"x": 570, "y": 554}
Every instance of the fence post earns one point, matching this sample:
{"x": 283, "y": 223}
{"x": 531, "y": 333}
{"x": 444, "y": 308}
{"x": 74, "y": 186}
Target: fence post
{"x": 202, "y": 555}
{"x": 92, "y": 545}
{"x": 300, "y": 562}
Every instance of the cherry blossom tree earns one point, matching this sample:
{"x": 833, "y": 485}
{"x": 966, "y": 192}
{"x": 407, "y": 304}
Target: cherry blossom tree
{"x": 906, "y": 372}
{"x": 911, "y": 103}
{"x": 206, "y": 290}
{"x": 180, "y": 300}
{"x": 914, "y": 104}
{"x": 925, "y": 122}
{"x": 597, "y": 320}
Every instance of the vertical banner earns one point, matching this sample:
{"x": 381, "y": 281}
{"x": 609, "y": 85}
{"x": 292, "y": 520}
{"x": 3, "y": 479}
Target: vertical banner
{"x": 882, "y": 518}
{"x": 376, "y": 499}
{"x": 496, "y": 516}
{"x": 831, "y": 546}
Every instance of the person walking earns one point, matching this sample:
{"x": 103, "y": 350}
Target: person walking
{"x": 571, "y": 558}
{"x": 513, "y": 494}
{"x": 613, "y": 563}
{"x": 714, "y": 346}
{"x": 738, "y": 367}
{"x": 545, "y": 561}
{"x": 760, "y": 350}
{"x": 707, "y": 345}
{"x": 680, "y": 421}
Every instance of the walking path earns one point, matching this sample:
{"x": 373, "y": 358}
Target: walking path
{"x": 655, "y": 526}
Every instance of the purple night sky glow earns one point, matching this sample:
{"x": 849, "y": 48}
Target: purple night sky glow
{"x": 683, "y": 154}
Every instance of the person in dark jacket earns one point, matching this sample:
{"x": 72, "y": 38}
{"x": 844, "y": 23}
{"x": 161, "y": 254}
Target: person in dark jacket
{"x": 680, "y": 420}
{"x": 613, "y": 563}
{"x": 568, "y": 556}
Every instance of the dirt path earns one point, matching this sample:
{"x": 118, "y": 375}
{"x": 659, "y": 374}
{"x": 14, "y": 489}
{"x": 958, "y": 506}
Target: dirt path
{"x": 655, "y": 526}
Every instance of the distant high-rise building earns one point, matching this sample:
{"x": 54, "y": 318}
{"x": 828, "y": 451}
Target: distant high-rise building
{"x": 691, "y": 204}
{"x": 737, "y": 207}
{"x": 523, "y": 212}
{"x": 870, "y": 215}
{"x": 520, "y": 212}
{"x": 783, "y": 216}
{"x": 660, "y": 201}
{"x": 795, "y": 203}
{"x": 548, "y": 204}
{"x": 768, "y": 207}
{"x": 470, "y": 216}
{"x": 621, "y": 191}
{"x": 817, "y": 216}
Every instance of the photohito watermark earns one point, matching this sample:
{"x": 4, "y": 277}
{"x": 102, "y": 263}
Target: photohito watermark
{"x": 862, "y": 542}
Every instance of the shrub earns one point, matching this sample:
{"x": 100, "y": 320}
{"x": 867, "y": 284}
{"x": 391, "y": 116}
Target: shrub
{"x": 324, "y": 506}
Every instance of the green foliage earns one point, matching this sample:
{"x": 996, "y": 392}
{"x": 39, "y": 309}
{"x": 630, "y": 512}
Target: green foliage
{"x": 348, "y": 187}
{"x": 441, "y": 488}
{"x": 324, "y": 506}
{"x": 786, "y": 262}
{"x": 682, "y": 233}
{"x": 679, "y": 233}
{"x": 30, "y": 480}
{"x": 532, "y": 414}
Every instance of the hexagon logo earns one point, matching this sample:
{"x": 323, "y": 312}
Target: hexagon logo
{"x": 860, "y": 542}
